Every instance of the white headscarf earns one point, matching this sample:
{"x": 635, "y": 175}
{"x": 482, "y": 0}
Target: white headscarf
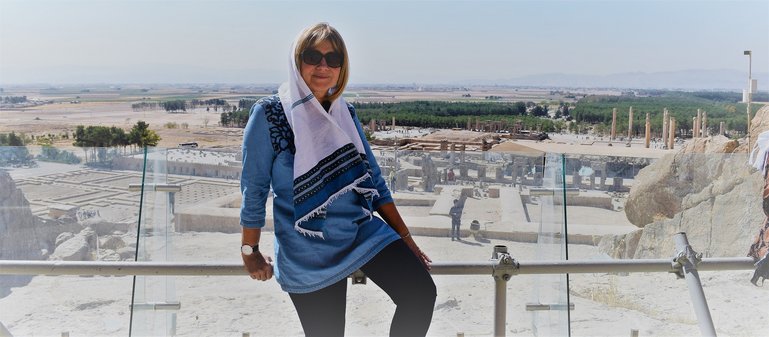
{"x": 330, "y": 159}
{"x": 759, "y": 152}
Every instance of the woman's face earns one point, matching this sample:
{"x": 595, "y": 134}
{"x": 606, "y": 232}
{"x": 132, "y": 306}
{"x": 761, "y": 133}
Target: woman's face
{"x": 320, "y": 77}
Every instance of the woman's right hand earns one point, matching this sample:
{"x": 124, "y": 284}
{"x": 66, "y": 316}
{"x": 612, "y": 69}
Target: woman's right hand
{"x": 258, "y": 266}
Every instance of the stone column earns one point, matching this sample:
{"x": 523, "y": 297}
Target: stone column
{"x": 721, "y": 128}
{"x": 705, "y": 124}
{"x": 617, "y": 184}
{"x": 576, "y": 180}
{"x": 538, "y": 178}
{"x": 603, "y": 176}
{"x": 630, "y": 124}
{"x": 477, "y": 124}
{"x": 672, "y": 133}
{"x": 648, "y": 130}
{"x": 393, "y": 127}
{"x": 452, "y": 155}
{"x": 469, "y": 125}
{"x": 613, "y": 124}
{"x": 481, "y": 172}
{"x": 665, "y": 121}
{"x": 518, "y": 165}
{"x": 372, "y": 125}
{"x": 697, "y": 124}
{"x": 694, "y": 128}
{"x": 401, "y": 180}
{"x": 499, "y": 175}
{"x": 463, "y": 171}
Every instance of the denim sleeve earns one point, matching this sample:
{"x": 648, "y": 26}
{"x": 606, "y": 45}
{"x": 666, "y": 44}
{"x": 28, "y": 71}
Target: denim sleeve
{"x": 255, "y": 180}
{"x": 384, "y": 192}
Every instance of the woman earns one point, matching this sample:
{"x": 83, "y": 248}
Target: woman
{"x": 307, "y": 143}
{"x": 759, "y": 249}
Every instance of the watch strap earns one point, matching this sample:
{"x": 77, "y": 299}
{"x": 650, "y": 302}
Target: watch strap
{"x": 254, "y": 248}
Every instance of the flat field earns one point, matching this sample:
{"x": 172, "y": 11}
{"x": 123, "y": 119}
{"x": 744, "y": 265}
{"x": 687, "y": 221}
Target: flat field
{"x": 62, "y": 109}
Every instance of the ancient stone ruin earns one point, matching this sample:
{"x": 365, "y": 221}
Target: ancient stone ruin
{"x": 706, "y": 189}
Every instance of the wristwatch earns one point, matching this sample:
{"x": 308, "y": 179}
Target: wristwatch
{"x": 247, "y": 249}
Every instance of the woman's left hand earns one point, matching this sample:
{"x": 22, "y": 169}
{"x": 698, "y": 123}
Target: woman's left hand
{"x": 418, "y": 252}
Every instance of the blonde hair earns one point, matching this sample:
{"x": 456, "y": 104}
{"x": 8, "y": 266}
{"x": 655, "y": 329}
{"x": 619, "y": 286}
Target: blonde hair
{"x": 314, "y": 35}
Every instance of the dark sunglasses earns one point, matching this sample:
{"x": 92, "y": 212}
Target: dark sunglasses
{"x": 313, "y": 58}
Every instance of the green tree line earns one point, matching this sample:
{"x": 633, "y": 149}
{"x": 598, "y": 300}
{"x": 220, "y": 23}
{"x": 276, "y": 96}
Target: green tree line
{"x": 11, "y": 139}
{"x": 98, "y": 138}
{"x": 50, "y": 153}
{"x": 439, "y": 114}
{"x": 435, "y": 114}
{"x": 175, "y": 105}
{"x": 13, "y": 151}
{"x": 14, "y": 99}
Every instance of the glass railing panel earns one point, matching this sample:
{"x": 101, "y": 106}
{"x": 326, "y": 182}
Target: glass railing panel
{"x": 715, "y": 198}
{"x": 154, "y": 301}
{"x": 67, "y": 204}
{"x": 186, "y": 191}
{"x": 547, "y": 201}
{"x": 191, "y": 203}
{"x": 199, "y": 223}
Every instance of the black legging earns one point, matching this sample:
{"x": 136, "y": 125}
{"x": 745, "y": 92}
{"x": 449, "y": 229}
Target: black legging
{"x": 398, "y": 272}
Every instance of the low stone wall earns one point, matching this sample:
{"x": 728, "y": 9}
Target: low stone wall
{"x": 182, "y": 168}
{"x": 212, "y": 219}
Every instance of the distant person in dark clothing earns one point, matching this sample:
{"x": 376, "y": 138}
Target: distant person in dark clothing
{"x": 456, "y": 214}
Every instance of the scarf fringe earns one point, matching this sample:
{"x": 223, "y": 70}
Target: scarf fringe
{"x": 367, "y": 212}
{"x": 319, "y": 209}
{"x": 307, "y": 232}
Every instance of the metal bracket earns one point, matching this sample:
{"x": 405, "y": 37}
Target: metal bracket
{"x": 358, "y": 277}
{"x": 506, "y": 264}
{"x": 172, "y": 306}
{"x": 686, "y": 256}
{"x": 541, "y": 307}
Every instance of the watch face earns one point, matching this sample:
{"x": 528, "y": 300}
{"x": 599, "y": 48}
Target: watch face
{"x": 246, "y": 250}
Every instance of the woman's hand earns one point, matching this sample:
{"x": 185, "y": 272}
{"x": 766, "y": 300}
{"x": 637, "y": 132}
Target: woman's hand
{"x": 257, "y": 266}
{"x": 418, "y": 252}
{"x": 390, "y": 215}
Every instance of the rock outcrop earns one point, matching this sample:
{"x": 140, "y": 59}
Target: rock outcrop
{"x": 707, "y": 190}
{"x": 24, "y": 236}
{"x": 79, "y": 247}
{"x": 660, "y": 188}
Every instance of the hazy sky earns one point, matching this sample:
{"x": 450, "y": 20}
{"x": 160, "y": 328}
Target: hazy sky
{"x": 70, "y": 41}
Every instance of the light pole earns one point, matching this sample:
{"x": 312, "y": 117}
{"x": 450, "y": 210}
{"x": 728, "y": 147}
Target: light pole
{"x": 750, "y": 89}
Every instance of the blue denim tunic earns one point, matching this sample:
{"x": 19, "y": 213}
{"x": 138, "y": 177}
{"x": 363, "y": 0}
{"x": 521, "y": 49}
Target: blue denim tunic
{"x": 352, "y": 237}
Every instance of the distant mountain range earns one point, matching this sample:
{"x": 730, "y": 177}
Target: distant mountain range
{"x": 685, "y": 79}
{"x": 725, "y": 79}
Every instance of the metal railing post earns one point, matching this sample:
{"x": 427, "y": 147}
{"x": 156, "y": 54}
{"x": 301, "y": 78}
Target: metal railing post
{"x": 503, "y": 271}
{"x": 500, "y": 306}
{"x": 687, "y": 260}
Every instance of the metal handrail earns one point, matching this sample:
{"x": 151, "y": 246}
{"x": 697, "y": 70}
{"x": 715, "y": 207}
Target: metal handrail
{"x": 501, "y": 266}
{"x": 102, "y": 268}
